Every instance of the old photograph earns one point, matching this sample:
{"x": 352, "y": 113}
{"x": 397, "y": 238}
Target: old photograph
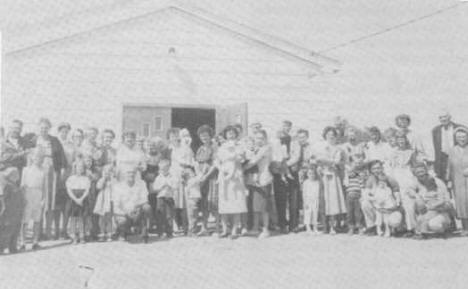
{"x": 233, "y": 144}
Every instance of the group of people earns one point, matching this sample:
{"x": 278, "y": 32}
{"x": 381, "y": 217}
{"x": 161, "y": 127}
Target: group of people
{"x": 235, "y": 184}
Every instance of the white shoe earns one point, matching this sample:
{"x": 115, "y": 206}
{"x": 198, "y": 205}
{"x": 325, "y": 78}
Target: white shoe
{"x": 264, "y": 234}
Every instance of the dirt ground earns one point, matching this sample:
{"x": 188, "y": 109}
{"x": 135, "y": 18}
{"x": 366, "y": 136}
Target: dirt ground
{"x": 287, "y": 261}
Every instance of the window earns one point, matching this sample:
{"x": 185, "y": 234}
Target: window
{"x": 158, "y": 124}
{"x": 146, "y": 130}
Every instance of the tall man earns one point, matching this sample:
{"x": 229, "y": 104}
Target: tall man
{"x": 443, "y": 140}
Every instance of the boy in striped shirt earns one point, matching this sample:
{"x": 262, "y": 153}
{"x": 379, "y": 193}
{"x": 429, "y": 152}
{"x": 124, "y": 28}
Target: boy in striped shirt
{"x": 356, "y": 176}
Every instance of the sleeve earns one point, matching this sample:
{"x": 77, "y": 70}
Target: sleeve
{"x": 60, "y": 155}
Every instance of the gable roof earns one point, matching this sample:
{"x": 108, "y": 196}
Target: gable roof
{"x": 91, "y": 20}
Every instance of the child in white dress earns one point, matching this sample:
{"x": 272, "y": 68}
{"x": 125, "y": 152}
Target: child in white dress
{"x": 193, "y": 196}
{"x": 33, "y": 184}
{"x": 104, "y": 202}
{"x": 385, "y": 201}
{"x": 311, "y": 196}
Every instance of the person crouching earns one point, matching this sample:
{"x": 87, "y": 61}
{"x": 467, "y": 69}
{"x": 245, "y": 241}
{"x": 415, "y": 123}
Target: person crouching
{"x": 131, "y": 208}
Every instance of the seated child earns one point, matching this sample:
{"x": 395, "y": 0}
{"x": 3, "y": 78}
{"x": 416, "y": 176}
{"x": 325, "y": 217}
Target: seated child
{"x": 78, "y": 186}
{"x": 311, "y": 198}
{"x": 104, "y": 202}
{"x": 164, "y": 186}
{"x": 386, "y": 202}
{"x": 193, "y": 196}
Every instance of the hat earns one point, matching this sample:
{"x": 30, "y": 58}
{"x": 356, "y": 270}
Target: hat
{"x": 461, "y": 129}
{"x": 63, "y": 125}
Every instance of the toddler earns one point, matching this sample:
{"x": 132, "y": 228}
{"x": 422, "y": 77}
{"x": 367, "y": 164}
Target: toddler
{"x": 385, "y": 201}
{"x": 311, "y": 196}
{"x": 165, "y": 186}
{"x": 104, "y": 202}
{"x": 193, "y": 196}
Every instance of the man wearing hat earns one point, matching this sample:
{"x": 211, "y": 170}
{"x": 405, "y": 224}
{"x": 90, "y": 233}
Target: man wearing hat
{"x": 403, "y": 121}
{"x": 443, "y": 139}
{"x": 11, "y": 209}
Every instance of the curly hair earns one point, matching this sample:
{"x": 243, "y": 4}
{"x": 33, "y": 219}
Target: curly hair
{"x": 327, "y": 129}
{"x": 228, "y": 129}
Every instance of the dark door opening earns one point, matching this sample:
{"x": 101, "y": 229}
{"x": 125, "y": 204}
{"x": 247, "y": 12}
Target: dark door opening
{"x": 192, "y": 119}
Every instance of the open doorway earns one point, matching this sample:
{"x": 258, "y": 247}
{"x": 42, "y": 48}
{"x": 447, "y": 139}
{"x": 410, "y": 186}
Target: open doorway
{"x": 192, "y": 119}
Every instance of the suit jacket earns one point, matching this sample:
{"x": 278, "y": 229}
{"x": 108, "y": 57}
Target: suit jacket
{"x": 440, "y": 160}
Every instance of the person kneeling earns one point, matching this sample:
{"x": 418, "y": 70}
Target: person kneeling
{"x": 432, "y": 203}
{"x": 386, "y": 203}
{"x": 131, "y": 208}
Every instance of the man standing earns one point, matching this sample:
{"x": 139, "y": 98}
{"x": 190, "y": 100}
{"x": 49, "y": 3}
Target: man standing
{"x": 443, "y": 139}
{"x": 131, "y": 206}
{"x": 300, "y": 154}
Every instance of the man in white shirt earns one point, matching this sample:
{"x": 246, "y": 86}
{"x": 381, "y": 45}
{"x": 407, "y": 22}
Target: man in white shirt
{"x": 131, "y": 206}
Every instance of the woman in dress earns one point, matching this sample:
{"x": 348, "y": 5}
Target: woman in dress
{"x": 331, "y": 162}
{"x": 181, "y": 156}
{"x": 401, "y": 162}
{"x": 55, "y": 164}
{"x": 232, "y": 191}
{"x": 458, "y": 175}
{"x": 205, "y": 160}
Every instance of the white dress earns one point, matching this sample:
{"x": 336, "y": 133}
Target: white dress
{"x": 34, "y": 184}
{"x": 180, "y": 156}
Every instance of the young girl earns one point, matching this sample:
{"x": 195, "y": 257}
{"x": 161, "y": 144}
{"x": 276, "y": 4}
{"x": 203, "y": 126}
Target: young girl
{"x": 386, "y": 203}
{"x": 33, "y": 184}
{"x": 193, "y": 196}
{"x": 78, "y": 186}
{"x": 103, "y": 207}
{"x": 310, "y": 195}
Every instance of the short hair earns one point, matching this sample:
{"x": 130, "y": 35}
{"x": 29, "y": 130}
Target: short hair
{"x": 109, "y": 131}
{"x": 375, "y": 130}
{"x": 205, "y": 129}
{"x": 172, "y": 130}
{"x": 262, "y": 132}
{"x": 303, "y": 131}
{"x": 228, "y": 129}
{"x": 328, "y": 129}
{"x": 287, "y": 122}
{"x": 239, "y": 127}
{"x": 18, "y": 122}
{"x": 131, "y": 134}
{"x": 403, "y": 116}
{"x": 63, "y": 125}
{"x": 373, "y": 163}
{"x": 46, "y": 121}
{"x": 77, "y": 131}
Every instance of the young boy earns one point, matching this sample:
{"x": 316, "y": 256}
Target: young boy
{"x": 164, "y": 186}
{"x": 385, "y": 202}
{"x": 354, "y": 182}
{"x": 193, "y": 197}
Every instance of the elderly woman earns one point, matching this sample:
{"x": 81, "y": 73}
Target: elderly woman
{"x": 458, "y": 175}
{"x": 331, "y": 162}
{"x": 55, "y": 165}
{"x": 232, "y": 190}
{"x": 205, "y": 160}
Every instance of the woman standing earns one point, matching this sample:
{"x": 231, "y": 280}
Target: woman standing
{"x": 232, "y": 191}
{"x": 401, "y": 162}
{"x": 458, "y": 175}
{"x": 331, "y": 162}
{"x": 55, "y": 164}
{"x": 181, "y": 156}
{"x": 205, "y": 160}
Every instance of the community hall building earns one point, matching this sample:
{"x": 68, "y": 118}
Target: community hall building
{"x": 150, "y": 67}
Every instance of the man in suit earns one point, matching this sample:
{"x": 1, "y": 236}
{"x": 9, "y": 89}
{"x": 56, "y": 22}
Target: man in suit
{"x": 443, "y": 140}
